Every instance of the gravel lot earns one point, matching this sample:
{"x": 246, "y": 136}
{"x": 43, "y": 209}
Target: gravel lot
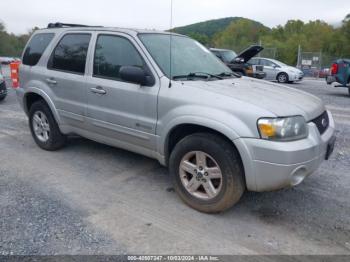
{"x": 89, "y": 198}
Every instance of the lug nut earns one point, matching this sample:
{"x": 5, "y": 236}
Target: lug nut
{"x": 206, "y": 174}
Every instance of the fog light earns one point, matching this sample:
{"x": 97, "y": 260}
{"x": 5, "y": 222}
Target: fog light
{"x": 298, "y": 175}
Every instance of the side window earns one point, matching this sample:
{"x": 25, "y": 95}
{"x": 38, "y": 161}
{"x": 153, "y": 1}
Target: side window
{"x": 266, "y": 62}
{"x": 113, "y": 52}
{"x": 36, "y": 47}
{"x": 70, "y": 53}
{"x": 254, "y": 61}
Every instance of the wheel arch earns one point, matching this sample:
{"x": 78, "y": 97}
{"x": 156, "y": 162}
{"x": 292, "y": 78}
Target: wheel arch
{"x": 180, "y": 131}
{"x": 35, "y": 94}
{"x": 279, "y": 73}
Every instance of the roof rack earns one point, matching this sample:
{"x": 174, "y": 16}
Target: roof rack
{"x": 60, "y": 25}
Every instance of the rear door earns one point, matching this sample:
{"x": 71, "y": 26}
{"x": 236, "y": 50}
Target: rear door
{"x": 66, "y": 77}
{"x": 269, "y": 69}
{"x": 119, "y": 110}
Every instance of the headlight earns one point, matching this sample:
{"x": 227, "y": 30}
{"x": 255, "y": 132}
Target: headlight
{"x": 283, "y": 128}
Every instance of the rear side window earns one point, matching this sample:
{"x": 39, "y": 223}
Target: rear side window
{"x": 36, "y": 47}
{"x": 254, "y": 61}
{"x": 113, "y": 52}
{"x": 70, "y": 53}
{"x": 266, "y": 62}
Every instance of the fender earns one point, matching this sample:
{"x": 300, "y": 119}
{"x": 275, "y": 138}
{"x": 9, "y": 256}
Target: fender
{"x": 218, "y": 120}
{"x": 46, "y": 98}
{"x": 223, "y": 122}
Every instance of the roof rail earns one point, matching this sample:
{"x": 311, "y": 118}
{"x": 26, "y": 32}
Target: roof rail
{"x": 60, "y": 25}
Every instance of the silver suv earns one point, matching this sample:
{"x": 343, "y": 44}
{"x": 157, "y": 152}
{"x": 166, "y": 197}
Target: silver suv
{"x": 219, "y": 134}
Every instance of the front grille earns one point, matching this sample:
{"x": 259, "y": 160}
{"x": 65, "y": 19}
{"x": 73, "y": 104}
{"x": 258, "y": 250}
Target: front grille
{"x": 322, "y": 122}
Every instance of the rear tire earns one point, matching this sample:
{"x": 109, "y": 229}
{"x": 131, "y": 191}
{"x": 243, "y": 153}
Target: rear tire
{"x": 197, "y": 181}
{"x": 282, "y": 78}
{"x": 44, "y": 128}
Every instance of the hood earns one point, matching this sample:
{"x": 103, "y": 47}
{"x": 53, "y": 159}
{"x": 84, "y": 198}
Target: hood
{"x": 277, "y": 99}
{"x": 293, "y": 69}
{"x": 249, "y": 53}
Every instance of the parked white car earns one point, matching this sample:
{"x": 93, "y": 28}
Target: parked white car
{"x": 6, "y": 60}
{"x": 278, "y": 71}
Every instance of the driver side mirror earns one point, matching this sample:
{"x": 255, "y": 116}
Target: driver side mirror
{"x": 135, "y": 75}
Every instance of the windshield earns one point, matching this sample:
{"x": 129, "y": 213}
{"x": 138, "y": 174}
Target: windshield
{"x": 188, "y": 56}
{"x": 228, "y": 56}
{"x": 279, "y": 63}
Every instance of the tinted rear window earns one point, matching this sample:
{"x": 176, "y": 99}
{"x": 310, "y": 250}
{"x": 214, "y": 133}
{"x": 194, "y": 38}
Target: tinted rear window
{"x": 70, "y": 53}
{"x": 36, "y": 47}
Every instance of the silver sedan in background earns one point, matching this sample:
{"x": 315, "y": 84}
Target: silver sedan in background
{"x": 278, "y": 71}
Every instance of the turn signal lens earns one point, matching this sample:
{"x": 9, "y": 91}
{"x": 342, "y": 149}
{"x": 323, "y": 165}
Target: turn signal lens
{"x": 267, "y": 130}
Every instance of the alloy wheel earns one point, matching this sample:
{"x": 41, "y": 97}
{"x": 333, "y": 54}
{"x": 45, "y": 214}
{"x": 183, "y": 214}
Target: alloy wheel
{"x": 41, "y": 126}
{"x": 200, "y": 175}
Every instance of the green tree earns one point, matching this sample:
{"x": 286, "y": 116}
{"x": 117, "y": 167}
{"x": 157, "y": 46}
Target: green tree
{"x": 203, "y": 39}
{"x": 240, "y": 34}
{"x": 10, "y": 44}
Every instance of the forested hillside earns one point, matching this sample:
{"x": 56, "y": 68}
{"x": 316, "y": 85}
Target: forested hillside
{"x": 10, "y": 44}
{"x": 238, "y": 33}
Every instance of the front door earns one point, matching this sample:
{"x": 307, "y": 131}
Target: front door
{"x": 119, "y": 110}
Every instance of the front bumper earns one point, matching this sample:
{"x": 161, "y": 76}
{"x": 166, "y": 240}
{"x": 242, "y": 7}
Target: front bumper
{"x": 296, "y": 77}
{"x": 273, "y": 165}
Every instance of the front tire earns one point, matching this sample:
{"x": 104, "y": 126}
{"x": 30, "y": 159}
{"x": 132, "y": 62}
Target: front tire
{"x": 44, "y": 128}
{"x": 282, "y": 78}
{"x": 207, "y": 172}
{"x": 2, "y": 98}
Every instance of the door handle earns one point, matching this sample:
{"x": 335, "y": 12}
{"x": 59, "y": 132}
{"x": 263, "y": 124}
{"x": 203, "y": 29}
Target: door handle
{"x": 51, "y": 81}
{"x": 98, "y": 90}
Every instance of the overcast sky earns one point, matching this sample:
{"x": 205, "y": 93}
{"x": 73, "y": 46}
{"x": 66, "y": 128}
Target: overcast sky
{"x": 21, "y": 15}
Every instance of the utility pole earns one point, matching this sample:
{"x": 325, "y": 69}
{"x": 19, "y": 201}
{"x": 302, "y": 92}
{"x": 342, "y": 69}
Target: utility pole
{"x": 260, "y": 44}
{"x": 320, "y": 64}
{"x": 299, "y": 57}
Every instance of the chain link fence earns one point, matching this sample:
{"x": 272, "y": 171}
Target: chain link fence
{"x": 269, "y": 52}
{"x": 314, "y": 64}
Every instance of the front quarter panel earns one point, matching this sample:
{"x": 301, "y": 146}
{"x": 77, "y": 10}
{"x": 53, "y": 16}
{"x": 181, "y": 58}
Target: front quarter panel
{"x": 185, "y": 105}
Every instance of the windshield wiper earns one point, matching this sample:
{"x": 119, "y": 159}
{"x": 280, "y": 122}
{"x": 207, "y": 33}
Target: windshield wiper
{"x": 197, "y": 75}
{"x": 223, "y": 74}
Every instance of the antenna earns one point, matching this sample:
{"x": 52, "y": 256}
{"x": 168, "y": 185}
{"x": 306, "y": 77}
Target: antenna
{"x": 171, "y": 42}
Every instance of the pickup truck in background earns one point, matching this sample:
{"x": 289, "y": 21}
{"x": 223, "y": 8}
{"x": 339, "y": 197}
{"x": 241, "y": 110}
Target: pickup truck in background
{"x": 238, "y": 63}
{"x": 340, "y": 73}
